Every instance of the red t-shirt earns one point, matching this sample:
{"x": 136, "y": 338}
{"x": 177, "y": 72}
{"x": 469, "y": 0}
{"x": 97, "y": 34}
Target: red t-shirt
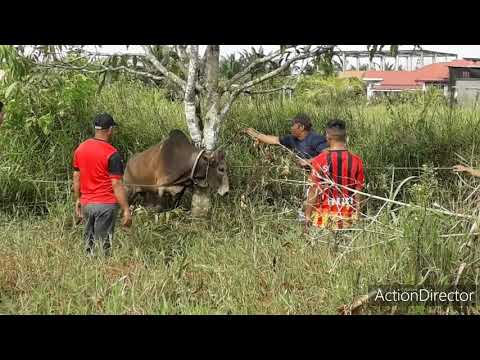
{"x": 344, "y": 168}
{"x": 98, "y": 162}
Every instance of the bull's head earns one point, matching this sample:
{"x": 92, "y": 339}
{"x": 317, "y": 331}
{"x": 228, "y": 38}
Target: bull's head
{"x": 211, "y": 171}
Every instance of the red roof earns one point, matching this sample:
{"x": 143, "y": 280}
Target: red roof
{"x": 434, "y": 72}
{"x": 393, "y": 80}
{"x": 439, "y": 71}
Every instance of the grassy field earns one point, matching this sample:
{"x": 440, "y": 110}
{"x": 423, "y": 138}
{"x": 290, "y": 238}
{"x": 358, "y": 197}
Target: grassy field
{"x": 250, "y": 256}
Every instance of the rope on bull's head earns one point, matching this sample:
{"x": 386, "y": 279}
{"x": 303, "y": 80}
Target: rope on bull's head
{"x": 195, "y": 166}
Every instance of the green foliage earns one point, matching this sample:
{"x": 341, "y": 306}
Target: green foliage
{"x": 46, "y": 114}
{"x": 15, "y": 67}
{"x": 320, "y": 89}
{"x": 250, "y": 256}
{"x": 231, "y": 65}
{"x": 326, "y": 64}
{"x": 43, "y": 101}
{"x": 433, "y": 96}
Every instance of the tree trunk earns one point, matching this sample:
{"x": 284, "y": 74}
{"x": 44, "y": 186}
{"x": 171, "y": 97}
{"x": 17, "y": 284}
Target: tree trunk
{"x": 212, "y": 117}
{"x": 190, "y": 98}
{"x": 210, "y": 132}
{"x": 201, "y": 197}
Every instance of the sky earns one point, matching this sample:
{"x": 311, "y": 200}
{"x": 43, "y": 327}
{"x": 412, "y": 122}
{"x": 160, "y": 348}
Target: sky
{"x": 461, "y": 50}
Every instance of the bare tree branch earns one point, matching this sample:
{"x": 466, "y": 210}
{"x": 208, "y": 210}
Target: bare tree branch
{"x": 212, "y": 73}
{"x": 190, "y": 97}
{"x": 192, "y": 72}
{"x": 213, "y": 97}
{"x": 269, "y": 90}
{"x": 203, "y": 61}
{"x": 181, "y": 51}
{"x": 86, "y": 53}
{"x": 286, "y": 64}
{"x": 102, "y": 54}
{"x": 250, "y": 67}
{"x": 62, "y": 66}
{"x": 103, "y": 69}
{"x": 170, "y": 75}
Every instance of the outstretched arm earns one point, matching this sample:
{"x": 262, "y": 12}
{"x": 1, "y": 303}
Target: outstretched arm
{"x": 266, "y": 139}
{"x": 469, "y": 170}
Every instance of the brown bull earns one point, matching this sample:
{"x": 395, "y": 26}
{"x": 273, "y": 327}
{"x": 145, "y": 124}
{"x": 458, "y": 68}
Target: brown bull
{"x": 173, "y": 165}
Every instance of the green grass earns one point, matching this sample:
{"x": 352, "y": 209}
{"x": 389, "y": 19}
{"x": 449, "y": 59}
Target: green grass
{"x": 250, "y": 261}
{"x": 250, "y": 255}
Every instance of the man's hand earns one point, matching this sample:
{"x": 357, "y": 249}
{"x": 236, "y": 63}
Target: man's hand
{"x": 461, "y": 168}
{"x": 78, "y": 211}
{"x": 76, "y": 190}
{"x": 262, "y": 138}
{"x": 127, "y": 218}
{"x": 251, "y": 132}
{"x": 121, "y": 195}
{"x": 469, "y": 170}
{"x": 303, "y": 163}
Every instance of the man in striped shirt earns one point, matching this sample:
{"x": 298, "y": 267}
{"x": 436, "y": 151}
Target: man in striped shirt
{"x": 329, "y": 203}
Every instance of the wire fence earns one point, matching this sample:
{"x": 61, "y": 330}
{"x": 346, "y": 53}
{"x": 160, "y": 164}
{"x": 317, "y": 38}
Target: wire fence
{"x": 63, "y": 188}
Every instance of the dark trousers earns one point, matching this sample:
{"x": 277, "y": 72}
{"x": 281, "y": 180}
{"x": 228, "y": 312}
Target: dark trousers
{"x": 99, "y": 225}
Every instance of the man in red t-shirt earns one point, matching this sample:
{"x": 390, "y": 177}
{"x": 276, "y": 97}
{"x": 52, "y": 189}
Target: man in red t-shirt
{"x": 97, "y": 183}
{"x": 329, "y": 205}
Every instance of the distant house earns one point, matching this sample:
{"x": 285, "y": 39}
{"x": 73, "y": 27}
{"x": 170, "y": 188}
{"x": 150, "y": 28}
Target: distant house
{"x": 436, "y": 75}
{"x": 464, "y": 83}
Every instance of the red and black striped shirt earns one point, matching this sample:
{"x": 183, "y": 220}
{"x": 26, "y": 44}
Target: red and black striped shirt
{"x": 342, "y": 167}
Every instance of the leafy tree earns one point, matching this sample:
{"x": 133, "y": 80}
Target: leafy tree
{"x": 195, "y": 79}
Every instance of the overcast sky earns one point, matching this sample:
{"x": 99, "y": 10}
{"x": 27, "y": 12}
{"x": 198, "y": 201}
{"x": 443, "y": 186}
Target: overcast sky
{"x": 461, "y": 50}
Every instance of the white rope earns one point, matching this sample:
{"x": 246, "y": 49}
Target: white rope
{"x": 196, "y": 163}
{"x": 388, "y": 200}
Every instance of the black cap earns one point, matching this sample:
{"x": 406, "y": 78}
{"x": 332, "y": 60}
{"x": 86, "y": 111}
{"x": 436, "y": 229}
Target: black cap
{"x": 104, "y": 121}
{"x": 302, "y": 120}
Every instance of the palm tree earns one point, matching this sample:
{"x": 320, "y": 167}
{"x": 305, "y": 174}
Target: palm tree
{"x": 327, "y": 64}
{"x": 229, "y": 66}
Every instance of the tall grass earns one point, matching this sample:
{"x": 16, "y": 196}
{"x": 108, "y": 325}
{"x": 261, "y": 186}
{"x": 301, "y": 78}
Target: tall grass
{"x": 250, "y": 255}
